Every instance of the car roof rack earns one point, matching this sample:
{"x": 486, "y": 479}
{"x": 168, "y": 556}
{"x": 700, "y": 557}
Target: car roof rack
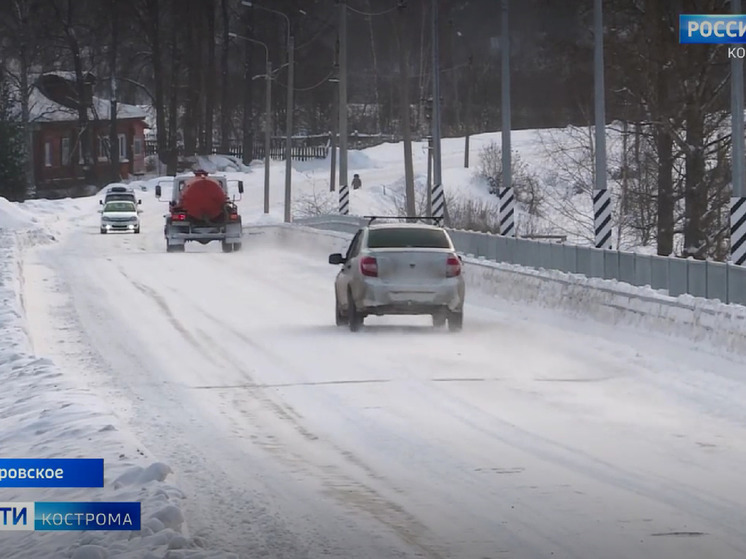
{"x": 435, "y": 219}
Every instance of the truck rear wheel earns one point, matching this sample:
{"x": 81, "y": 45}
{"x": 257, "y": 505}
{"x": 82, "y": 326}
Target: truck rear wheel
{"x": 231, "y": 247}
{"x": 175, "y": 248}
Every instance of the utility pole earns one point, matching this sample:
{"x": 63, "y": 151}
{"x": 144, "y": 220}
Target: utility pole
{"x": 738, "y": 196}
{"x": 344, "y": 192}
{"x": 334, "y": 115}
{"x": 289, "y": 131}
{"x": 601, "y": 196}
{"x": 113, "y": 128}
{"x": 428, "y": 110}
{"x": 267, "y": 116}
{"x": 247, "y": 134}
{"x": 438, "y": 197}
{"x": 469, "y": 101}
{"x": 267, "y": 133}
{"x": 506, "y": 198}
{"x": 429, "y": 209}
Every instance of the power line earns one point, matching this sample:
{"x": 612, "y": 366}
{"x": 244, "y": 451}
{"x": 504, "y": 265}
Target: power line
{"x": 372, "y": 14}
{"x": 371, "y": 73}
{"x": 328, "y": 24}
{"x": 319, "y": 84}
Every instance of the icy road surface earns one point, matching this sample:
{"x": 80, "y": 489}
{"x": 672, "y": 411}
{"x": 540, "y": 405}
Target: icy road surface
{"x": 525, "y": 436}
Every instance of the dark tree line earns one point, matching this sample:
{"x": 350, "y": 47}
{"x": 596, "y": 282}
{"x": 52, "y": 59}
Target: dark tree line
{"x": 207, "y": 90}
{"x": 177, "y": 56}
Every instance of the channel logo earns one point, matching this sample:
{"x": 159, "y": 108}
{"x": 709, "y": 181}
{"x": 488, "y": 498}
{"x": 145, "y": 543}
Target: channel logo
{"x": 69, "y": 516}
{"x": 712, "y": 29}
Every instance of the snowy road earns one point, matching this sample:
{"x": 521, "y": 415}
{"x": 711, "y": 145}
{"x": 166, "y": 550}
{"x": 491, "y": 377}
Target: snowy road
{"x": 519, "y": 437}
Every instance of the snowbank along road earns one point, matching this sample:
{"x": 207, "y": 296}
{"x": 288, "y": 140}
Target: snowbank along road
{"x": 527, "y": 435}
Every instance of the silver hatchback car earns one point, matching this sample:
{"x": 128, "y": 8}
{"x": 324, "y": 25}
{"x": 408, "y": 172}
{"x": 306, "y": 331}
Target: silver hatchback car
{"x": 399, "y": 268}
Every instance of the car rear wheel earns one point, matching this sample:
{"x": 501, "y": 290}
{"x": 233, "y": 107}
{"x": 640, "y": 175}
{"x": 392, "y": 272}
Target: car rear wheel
{"x": 456, "y": 321}
{"x": 354, "y": 318}
{"x": 339, "y": 317}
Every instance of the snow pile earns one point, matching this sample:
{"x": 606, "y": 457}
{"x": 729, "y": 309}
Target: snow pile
{"x": 148, "y": 185}
{"x": 57, "y": 217}
{"x": 46, "y": 414}
{"x": 607, "y": 301}
{"x": 13, "y": 217}
{"x": 220, "y": 164}
{"x": 614, "y": 302}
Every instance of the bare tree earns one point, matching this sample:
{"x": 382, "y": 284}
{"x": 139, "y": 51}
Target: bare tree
{"x": 247, "y": 127}
{"x": 148, "y": 14}
{"x": 113, "y": 51}
{"x": 225, "y": 110}
{"x": 176, "y": 68}
{"x": 72, "y": 34}
{"x": 405, "y": 111}
{"x": 209, "y": 77}
{"x": 22, "y": 48}
{"x": 376, "y": 77}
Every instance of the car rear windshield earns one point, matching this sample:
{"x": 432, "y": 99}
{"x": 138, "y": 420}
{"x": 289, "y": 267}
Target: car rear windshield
{"x": 120, "y": 207}
{"x": 407, "y": 237}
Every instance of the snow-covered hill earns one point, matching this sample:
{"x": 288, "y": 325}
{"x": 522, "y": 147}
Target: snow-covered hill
{"x": 556, "y": 159}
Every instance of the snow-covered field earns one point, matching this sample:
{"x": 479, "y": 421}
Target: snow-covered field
{"x": 221, "y": 394}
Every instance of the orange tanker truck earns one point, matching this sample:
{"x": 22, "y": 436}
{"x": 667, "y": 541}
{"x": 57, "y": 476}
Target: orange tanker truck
{"x": 201, "y": 210}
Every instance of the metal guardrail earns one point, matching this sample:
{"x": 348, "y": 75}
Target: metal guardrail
{"x": 675, "y": 276}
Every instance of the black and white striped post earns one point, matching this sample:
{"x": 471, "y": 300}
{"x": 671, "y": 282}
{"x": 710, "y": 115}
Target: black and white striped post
{"x": 602, "y": 217}
{"x": 506, "y": 197}
{"x": 601, "y": 196}
{"x": 344, "y": 187}
{"x": 738, "y": 195}
{"x": 439, "y": 200}
{"x": 344, "y": 199}
{"x": 438, "y": 196}
{"x": 506, "y": 200}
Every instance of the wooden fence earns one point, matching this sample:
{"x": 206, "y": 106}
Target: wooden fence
{"x": 304, "y": 148}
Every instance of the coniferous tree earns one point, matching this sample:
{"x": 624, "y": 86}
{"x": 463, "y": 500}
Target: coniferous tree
{"x": 12, "y": 152}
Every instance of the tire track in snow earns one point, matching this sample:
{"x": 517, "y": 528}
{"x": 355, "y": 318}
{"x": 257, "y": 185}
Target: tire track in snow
{"x": 338, "y": 485}
{"x": 585, "y": 464}
{"x": 677, "y": 497}
{"x": 341, "y": 487}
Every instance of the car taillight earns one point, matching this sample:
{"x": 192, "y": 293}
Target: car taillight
{"x": 178, "y": 217}
{"x": 453, "y": 266}
{"x": 369, "y": 266}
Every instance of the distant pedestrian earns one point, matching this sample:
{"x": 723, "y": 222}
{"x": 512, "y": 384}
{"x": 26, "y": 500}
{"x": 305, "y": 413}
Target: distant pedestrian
{"x": 356, "y": 182}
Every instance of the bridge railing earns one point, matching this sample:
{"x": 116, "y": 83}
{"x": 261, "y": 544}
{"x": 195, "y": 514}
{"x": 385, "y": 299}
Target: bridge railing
{"x": 673, "y": 276}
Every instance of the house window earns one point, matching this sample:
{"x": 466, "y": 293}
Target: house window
{"x": 103, "y": 148}
{"x": 47, "y": 153}
{"x": 122, "y": 147}
{"x": 137, "y": 148}
{"x": 65, "y": 151}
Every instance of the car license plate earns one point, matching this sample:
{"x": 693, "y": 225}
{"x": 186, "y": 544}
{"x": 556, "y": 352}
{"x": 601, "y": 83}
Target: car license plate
{"x": 413, "y": 296}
